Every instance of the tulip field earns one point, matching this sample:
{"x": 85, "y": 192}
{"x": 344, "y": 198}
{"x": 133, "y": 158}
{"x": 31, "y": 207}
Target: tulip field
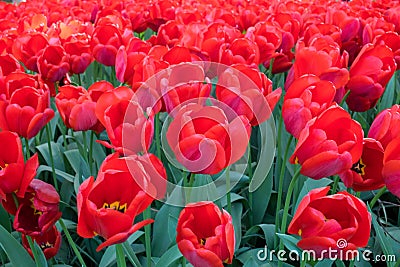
{"x": 203, "y": 133}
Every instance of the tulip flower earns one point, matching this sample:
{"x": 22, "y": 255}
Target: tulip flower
{"x": 204, "y": 140}
{"x": 123, "y": 189}
{"x": 38, "y": 210}
{"x": 329, "y": 144}
{"x": 105, "y": 42}
{"x": 386, "y": 125}
{"x": 77, "y": 109}
{"x": 26, "y": 112}
{"x": 248, "y": 92}
{"x": 28, "y": 47}
{"x": 49, "y": 242}
{"x": 53, "y": 63}
{"x": 305, "y": 99}
{"x": 391, "y": 167}
{"x": 366, "y": 173}
{"x": 205, "y": 235}
{"x": 369, "y": 74}
{"x": 338, "y": 222}
{"x": 15, "y": 175}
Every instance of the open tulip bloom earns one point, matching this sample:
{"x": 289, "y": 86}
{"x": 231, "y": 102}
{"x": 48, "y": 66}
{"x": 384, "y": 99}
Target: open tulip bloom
{"x": 199, "y": 133}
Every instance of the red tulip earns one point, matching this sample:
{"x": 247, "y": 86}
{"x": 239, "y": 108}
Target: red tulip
{"x": 105, "y": 42}
{"x": 386, "y": 126}
{"x": 26, "y": 112}
{"x": 205, "y": 141}
{"x": 38, "y": 209}
{"x": 248, "y": 92}
{"x": 15, "y": 175}
{"x": 8, "y": 64}
{"x": 240, "y": 51}
{"x": 366, "y": 174}
{"x": 28, "y": 47}
{"x": 338, "y": 223}
{"x": 305, "y": 99}
{"x": 392, "y": 40}
{"x": 205, "y": 235}
{"x": 49, "y": 242}
{"x": 330, "y": 144}
{"x": 76, "y": 108}
{"x": 129, "y": 129}
{"x": 123, "y": 189}
{"x": 53, "y": 63}
{"x": 78, "y": 50}
{"x": 369, "y": 74}
{"x": 391, "y": 169}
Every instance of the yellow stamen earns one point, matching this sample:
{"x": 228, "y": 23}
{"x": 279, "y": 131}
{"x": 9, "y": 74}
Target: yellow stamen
{"x": 300, "y": 232}
{"x": 116, "y": 206}
{"x": 359, "y": 167}
{"x": 2, "y": 168}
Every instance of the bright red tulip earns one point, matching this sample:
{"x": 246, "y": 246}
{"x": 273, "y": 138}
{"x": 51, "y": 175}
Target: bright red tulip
{"x": 329, "y": 144}
{"x": 391, "y": 167}
{"x": 240, "y": 51}
{"x": 248, "y": 92}
{"x": 205, "y": 141}
{"x": 26, "y": 111}
{"x": 53, "y": 63}
{"x": 386, "y": 126}
{"x": 205, "y": 235}
{"x": 77, "y": 109}
{"x": 15, "y": 175}
{"x": 105, "y": 42}
{"x": 28, "y": 47}
{"x": 123, "y": 189}
{"x": 49, "y": 242}
{"x": 338, "y": 222}
{"x": 369, "y": 74}
{"x": 305, "y": 99}
{"x": 366, "y": 174}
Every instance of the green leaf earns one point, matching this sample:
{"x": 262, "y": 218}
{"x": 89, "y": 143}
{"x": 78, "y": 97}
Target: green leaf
{"x": 61, "y": 174}
{"x": 16, "y": 253}
{"x": 262, "y": 196}
{"x": 170, "y": 256}
{"x": 78, "y": 164}
{"x": 237, "y": 209}
{"x": 267, "y": 148}
{"x": 267, "y": 229}
{"x": 5, "y": 219}
{"x": 290, "y": 242}
{"x": 387, "y": 98}
{"x": 57, "y": 151}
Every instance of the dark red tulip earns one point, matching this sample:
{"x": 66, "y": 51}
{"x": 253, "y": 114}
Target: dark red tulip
{"x": 329, "y": 144}
{"x": 108, "y": 208}
{"x": 386, "y": 126}
{"x": 15, "y": 175}
{"x": 38, "y": 209}
{"x": 105, "y": 43}
{"x": 337, "y": 222}
{"x": 204, "y": 140}
{"x": 366, "y": 174}
{"x": 305, "y": 99}
{"x": 49, "y": 242}
{"x": 205, "y": 235}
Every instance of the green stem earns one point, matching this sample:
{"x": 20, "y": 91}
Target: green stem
{"x": 280, "y": 186}
{"x": 131, "y": 254}
{"x": 335, "y": 184}
{"x": 119, "y": 250}
{"x": 91, "y": 152}
{"x": 157, "y": 133}
{"x": 377, "y": 196}
{"x": 287, "y": 204}
{"x": 183, "y": 261}
{"x": 228, "y": 191}
{"x": 27, "y": 152}
{"x": 344, "y": 98}
{"x": 72, "y": 243}
{"x": 147, "y": 235}
{"x": 303, "y": 262}
{"x": 53, "y": 171}
{"x": 79, "y": 79}
{"x": 34, "y": 251}
{"x": 250, "y": 174}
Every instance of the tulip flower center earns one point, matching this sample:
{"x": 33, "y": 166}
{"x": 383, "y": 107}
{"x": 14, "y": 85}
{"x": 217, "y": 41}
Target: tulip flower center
{"x": 359, "y": 167}
{"x": 35, "y": 211}
{"x": 2, "y": 167}
{"x": 45, "y": 245}
{"x": 116, "y": 206}
{"x": 203, "y": 241}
